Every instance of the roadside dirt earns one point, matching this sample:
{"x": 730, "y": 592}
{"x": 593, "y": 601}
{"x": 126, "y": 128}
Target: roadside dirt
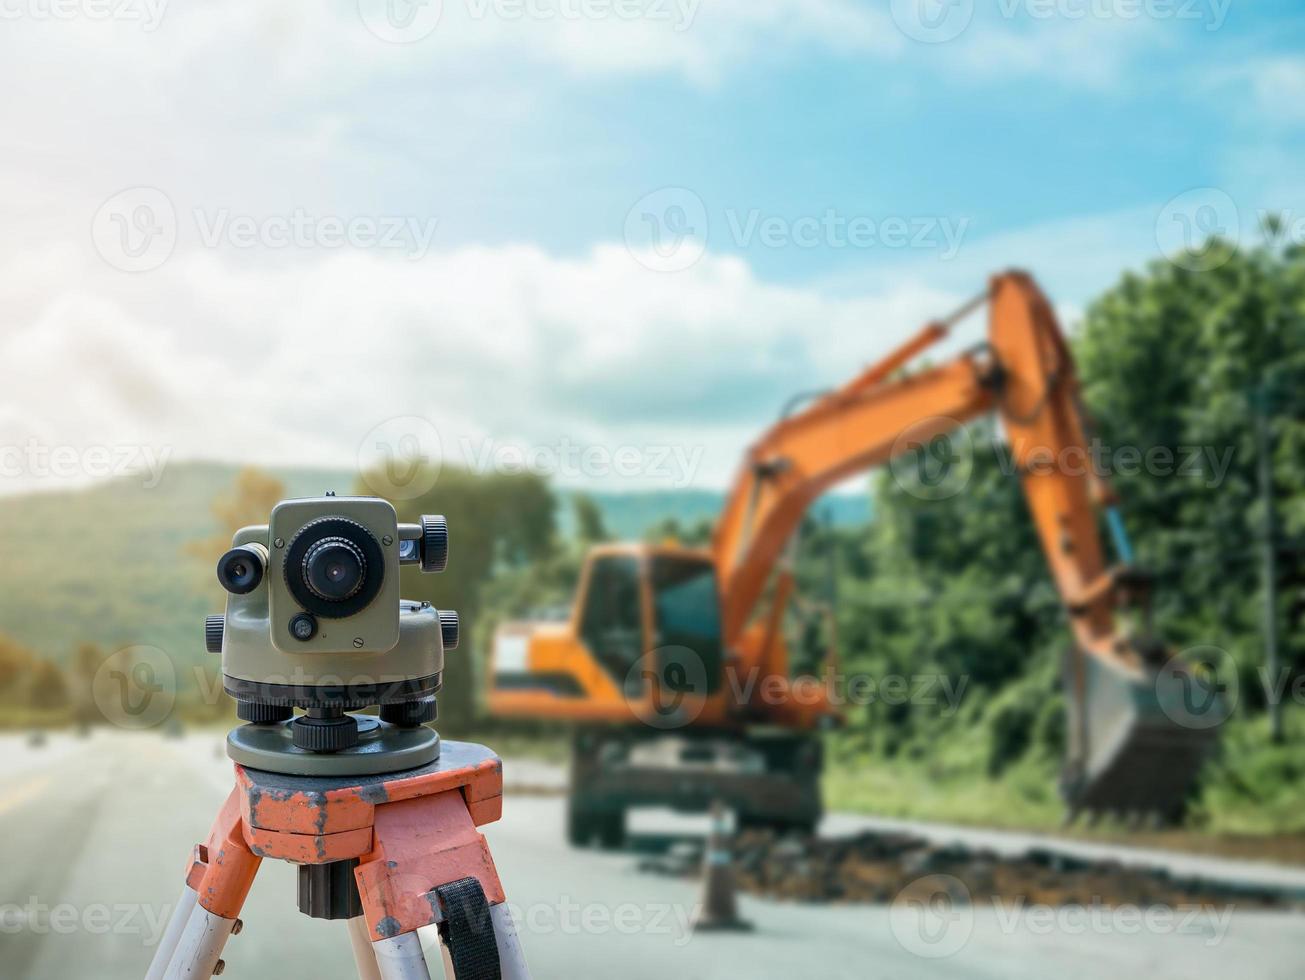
{"x": 878, "y": 867}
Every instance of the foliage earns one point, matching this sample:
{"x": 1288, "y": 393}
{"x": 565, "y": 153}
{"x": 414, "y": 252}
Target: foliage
{"x": 497, "y": 523}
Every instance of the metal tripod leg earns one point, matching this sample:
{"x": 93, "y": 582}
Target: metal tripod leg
{"x": 199, "y": 949}
{"x": 208, "y": 911}
{"x": 511, "y": 957}
{"x": 363, "y": 954}
{"x": 172, "y": 935}
{"x": 401, "y": 958}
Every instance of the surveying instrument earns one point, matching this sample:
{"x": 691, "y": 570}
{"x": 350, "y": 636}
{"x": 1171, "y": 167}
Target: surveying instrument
{"x": 378, "y": 813}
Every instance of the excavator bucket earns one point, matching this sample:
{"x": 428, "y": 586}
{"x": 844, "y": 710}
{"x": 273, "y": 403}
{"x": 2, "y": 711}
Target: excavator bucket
{"x": 1137, "y": 739}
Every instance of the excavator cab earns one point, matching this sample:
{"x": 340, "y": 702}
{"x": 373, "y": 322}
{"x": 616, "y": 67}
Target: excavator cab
{"x": 644, "y": 635}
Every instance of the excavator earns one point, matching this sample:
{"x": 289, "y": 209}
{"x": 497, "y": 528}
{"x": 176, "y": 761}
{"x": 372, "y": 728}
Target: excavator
{"x": 673, "y": 665}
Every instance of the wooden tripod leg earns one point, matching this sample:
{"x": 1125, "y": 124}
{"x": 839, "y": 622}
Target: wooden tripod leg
{"x": 221, "y": 872}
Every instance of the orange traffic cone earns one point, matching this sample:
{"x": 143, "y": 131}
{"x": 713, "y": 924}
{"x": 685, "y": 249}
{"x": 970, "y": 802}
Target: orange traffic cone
{"x": 719, "y": 910}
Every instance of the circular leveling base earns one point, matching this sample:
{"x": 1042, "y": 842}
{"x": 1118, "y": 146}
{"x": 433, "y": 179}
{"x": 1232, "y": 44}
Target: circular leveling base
{"x": 381, "y": 748}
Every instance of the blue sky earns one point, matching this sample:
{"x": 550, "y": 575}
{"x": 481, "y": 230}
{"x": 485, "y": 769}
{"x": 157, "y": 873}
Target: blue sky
{"x": 502, "y": 167}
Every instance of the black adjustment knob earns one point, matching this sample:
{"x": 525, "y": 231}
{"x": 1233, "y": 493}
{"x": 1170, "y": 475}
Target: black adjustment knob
{"x": 214, "y": 627}
{"x": 263, "y": 714}
{"x": 324, "y": 730}
{"x": 410, "y": 714}
{"x": 303, "y": 626}
{"x": 434, "y": 542}
{"x": 329, "y": 891}
{"x": 449, "y": 628}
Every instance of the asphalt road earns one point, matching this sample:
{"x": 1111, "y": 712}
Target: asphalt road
{"x": 94, "y": 835}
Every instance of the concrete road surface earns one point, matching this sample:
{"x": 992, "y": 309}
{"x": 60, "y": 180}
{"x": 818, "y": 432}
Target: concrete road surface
{"x": 94, "y": 834}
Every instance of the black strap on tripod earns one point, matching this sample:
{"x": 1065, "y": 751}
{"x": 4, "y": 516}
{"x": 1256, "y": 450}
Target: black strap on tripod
{"x": 468, "y": 930}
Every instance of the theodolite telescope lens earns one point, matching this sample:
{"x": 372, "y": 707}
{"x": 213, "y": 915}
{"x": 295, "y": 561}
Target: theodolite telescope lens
{"x": 334, "y": 569}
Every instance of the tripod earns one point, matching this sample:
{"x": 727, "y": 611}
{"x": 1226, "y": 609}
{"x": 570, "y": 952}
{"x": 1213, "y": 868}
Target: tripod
{"x": 390, "y": 853}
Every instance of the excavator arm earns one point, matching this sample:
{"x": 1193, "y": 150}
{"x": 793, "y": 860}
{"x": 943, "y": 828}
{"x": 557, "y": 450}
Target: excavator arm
{"x": 1126, "y": 750}
{"x": 1025, "y": 374}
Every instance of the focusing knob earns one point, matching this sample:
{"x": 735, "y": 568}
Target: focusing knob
{"x": 449, "y": 628}
{"x": 434, "y": 542}
{"x": 214, "y": 626}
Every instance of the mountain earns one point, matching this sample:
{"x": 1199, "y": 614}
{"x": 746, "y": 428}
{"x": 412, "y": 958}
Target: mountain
{"x": 628, "y": 516}
{"x": 109, "y": 563}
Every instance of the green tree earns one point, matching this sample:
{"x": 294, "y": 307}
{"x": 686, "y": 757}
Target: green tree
{"x": 497, "y": 522}
{"x": 589, "y": 525}
{"x": 47, "y": 689}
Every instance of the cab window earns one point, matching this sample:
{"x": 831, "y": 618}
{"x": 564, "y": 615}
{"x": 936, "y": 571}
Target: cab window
{"x": 612, "y": 626}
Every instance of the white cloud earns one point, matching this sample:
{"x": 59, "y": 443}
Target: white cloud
{"x": 1276, "y": 87}
{"x": 295, "y": 362}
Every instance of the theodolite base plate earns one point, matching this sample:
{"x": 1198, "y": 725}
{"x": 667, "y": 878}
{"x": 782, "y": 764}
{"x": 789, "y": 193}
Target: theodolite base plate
{"x": 381, "y": 748}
